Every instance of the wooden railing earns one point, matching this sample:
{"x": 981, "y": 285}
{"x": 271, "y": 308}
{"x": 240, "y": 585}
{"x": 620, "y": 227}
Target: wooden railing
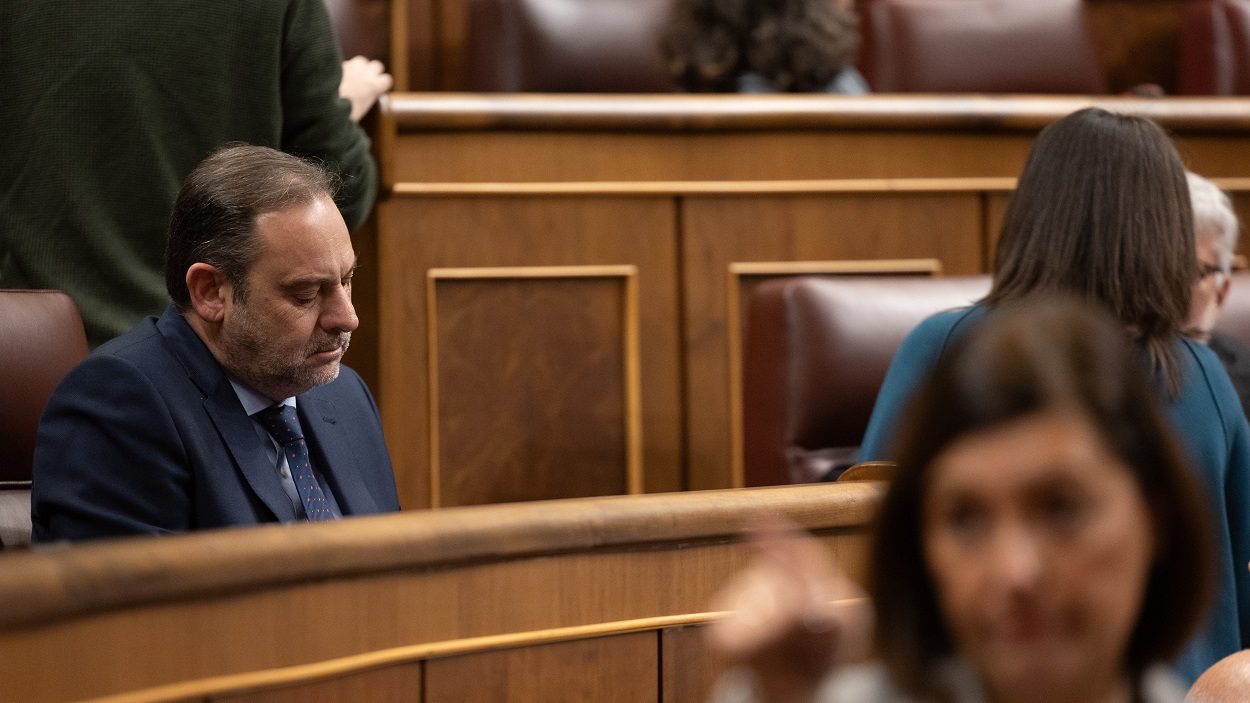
{"x": 432, "y": 606}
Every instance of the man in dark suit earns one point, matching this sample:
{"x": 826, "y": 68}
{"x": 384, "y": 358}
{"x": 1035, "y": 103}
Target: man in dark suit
{"x": 232, "y": 407}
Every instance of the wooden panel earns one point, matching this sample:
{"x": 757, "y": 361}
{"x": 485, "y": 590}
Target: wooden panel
{"x": 391, "y": 684}
{"x": 720, "y": 231}
{"x": 414, "y": 44}
{"x": 362, "y": 355}
{"x": 486, "y": 138}
{"x": 419, "y": 234}
{"x": 534, "y": 371}
{"x": 558, "y": 155}
{"x": 689, "y": 667}
{"x": 623, "y": 668}
{"x": 995, "y": 210}
{"x": 227, "y": 612}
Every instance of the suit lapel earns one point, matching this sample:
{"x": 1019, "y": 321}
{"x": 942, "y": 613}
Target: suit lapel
{"x": 222, "y": 405}
{"x": 331, "y": 450}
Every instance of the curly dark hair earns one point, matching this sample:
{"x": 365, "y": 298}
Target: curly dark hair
{"x": 797, "y": 45}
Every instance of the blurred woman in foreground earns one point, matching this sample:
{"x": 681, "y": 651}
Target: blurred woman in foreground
{"x": 1102, "y": 212}
{"x": 1042, "y": 539}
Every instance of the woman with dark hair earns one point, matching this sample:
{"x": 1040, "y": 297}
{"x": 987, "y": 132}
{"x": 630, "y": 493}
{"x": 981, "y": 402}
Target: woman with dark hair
{"x": 763, "y": 46}
{"x": 1041, "y": 540}
{"x": 1102, "y": 212}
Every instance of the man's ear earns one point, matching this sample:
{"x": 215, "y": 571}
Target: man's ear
{"x": 209, "y": 291}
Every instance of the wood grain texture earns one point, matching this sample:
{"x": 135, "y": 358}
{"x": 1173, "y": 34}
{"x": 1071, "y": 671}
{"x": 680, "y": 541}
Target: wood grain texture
{"x": 555, "y": 154}
{"x": 362, "y": 355}
{"x": 207, "y": 605}
{"x": 623, "y": 668}
{"x": 419, "y": 234}
{"x": 445, "y": 138}
{"x": 531, "y": 381}
{"x": 689, "y": 667}
{"x": 417, "y": 112}
{"x": 392, "y": 684}
{"x": 718, "y": 232}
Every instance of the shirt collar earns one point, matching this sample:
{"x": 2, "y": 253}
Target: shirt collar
{"x": 252, "y": 401}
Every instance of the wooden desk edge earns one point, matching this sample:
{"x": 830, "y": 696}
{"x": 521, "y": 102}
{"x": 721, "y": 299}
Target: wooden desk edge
{"x": 61, "y": 581}
{"x": 410, "y": 112}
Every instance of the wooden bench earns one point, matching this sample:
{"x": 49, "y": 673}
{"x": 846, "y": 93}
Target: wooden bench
{"x": 588, "y": 600}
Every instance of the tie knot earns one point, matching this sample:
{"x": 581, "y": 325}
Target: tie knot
{"x": 282, "y": 423}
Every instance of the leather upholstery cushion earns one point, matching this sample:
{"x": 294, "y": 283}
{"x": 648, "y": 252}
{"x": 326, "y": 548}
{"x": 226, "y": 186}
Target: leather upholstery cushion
{"x": 1215, "y": 48}
{"x": 981, "y": 46}
{"x": 41, "y": 339}
{"x": 552, "y": 46}
{"x": 816, "y": 353}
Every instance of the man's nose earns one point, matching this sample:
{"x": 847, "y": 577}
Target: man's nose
{"x": 339, "y": 315}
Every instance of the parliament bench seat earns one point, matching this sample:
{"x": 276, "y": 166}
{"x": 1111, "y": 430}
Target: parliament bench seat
{"x": 41, "y": 339}
{"x": 817, "y": 350}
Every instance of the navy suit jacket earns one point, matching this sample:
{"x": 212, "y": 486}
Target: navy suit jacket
{"x": 148, "y": 436}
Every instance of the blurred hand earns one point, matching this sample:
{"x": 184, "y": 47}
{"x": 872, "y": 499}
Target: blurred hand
{"x": 363, "y": 82}
{"x": 794, "y": 615}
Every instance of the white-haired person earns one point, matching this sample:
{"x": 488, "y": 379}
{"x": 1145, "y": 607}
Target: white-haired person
{"x": 1215, "y": 240}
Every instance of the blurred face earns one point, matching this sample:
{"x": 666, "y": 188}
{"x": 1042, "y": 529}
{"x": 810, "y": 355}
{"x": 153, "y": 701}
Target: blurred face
{"x": 1039, "y": 543}
{"x": 291, "y": 331}
{"x": 1210, "y": 288}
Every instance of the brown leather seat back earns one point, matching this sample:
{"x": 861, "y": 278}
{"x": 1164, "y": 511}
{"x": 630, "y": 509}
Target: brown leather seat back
{"x": 1235, "y": 318}
{"x": 41, "y": 339}
{"x": 980, "y": 46}
{"x": 554, "y": 46}
{"x": 816, "y": 352}
{"x": 1215, "y": 48}
{"x": 362, "y": 27}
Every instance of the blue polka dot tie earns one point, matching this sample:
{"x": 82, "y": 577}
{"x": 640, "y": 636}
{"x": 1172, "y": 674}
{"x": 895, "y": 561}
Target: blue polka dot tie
{"x": 283, "y": 424}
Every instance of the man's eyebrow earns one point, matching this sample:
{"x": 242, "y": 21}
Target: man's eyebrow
{"x": 318, "y": 281}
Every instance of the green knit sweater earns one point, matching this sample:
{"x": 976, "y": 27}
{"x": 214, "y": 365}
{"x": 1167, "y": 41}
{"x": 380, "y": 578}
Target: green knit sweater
{"x": 105, "y": 105}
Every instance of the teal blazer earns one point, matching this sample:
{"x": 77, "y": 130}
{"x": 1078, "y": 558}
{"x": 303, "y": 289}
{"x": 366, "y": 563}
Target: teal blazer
{"x": 1210, "y": 423}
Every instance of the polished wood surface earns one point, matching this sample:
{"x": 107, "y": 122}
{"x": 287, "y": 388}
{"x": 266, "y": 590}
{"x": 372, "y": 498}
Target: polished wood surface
{"x": 689, "y": 669}
{"x": 450, "y": 138}
{"x": 535, "y": 370}
{"x": 624, "y": 668}
{"x": 250, "y": 612}
{"x": 685, "y": 189}
{"x": 419, "y": 234}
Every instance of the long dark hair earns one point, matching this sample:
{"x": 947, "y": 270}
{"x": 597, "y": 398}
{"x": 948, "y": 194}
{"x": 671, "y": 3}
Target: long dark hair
{"x": 1102, "y": 212}
{"x": 1042, "y": 355}
{"x": 797, "y": 45}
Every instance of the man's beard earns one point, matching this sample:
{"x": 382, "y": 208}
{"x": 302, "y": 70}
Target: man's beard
{"x": 249, "y": 357}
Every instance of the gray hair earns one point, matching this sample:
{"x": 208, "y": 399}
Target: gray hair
{"x": 1213, "y": 212}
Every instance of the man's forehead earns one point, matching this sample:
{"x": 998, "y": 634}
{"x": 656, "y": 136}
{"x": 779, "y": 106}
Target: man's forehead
{"x": 309, "y": 237}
